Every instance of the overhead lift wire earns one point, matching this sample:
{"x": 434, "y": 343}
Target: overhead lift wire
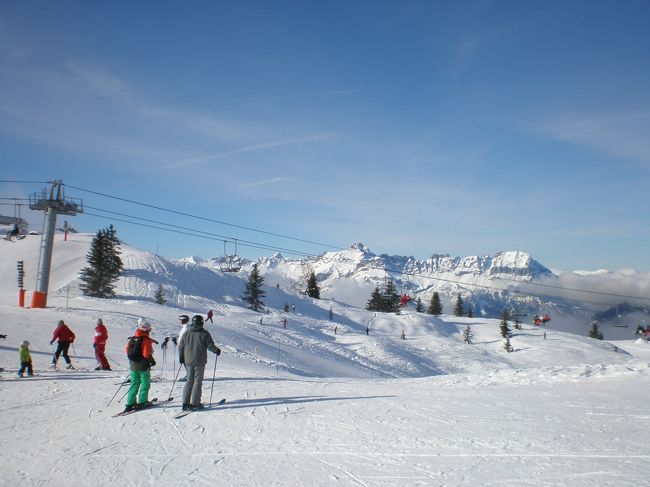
{"x": 242, "y": 227}
{"x": 223, "y": 238}
{"x": 204, "y": 236}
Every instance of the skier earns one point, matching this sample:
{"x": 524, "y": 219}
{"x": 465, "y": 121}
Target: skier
{"x": 99, "y": 344}
{"x": 193, "y": 353}
{"x": 65, "y": 336}
{"x": 184, "y": 324}
{"x": 367, "y": 330}
{"x": 139, "y": 350}
{"x": 25, "y": 360}
{"x": 209, "y": 318}
{"x": 4, "y": 337}
{"x": 403, "y": 335}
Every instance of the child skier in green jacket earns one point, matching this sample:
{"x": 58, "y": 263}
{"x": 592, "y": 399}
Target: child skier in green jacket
{"x": 25, "y": 360}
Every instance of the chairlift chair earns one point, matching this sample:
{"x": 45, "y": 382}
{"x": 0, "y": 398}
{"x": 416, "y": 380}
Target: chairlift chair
{"x": 229, "y": 263}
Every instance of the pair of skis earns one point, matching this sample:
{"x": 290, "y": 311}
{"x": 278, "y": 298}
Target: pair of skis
{"x": 155, "y": 403}
{"x": 151, "y": 404}
{"x": 185, "y": 413}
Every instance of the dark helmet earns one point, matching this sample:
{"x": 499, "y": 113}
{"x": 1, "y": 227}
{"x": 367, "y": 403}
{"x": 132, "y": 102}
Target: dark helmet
{"x": 197, "y": 320}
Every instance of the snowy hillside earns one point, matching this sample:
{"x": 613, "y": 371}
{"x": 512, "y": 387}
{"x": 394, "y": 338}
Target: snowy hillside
{"x": 319, "y": 402}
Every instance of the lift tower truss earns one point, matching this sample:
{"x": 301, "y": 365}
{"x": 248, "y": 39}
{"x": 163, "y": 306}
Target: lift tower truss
{"x": 53, "y": 203}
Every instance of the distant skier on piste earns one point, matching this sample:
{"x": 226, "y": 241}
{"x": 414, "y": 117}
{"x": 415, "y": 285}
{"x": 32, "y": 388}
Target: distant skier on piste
{"x": 209, "y": 318}
{"x": 65, "y": 336}
{"x": 139, "y": 350}
{"x": 193, "y": 353}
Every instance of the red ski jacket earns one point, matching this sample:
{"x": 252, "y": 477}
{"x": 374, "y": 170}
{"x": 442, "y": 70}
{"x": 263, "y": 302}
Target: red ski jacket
{"x": 63, "y": 333}
{"x": 101, "y": 335}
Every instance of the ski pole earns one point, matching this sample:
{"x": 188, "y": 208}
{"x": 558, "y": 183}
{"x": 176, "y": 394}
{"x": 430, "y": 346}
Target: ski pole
{"x": 110, "y": 359}
{"x": 53, "y": 355}
{"x": 174, "y": 383}
{"x": 214, "y": 373}
{"x": 118, "y": 390}
{"x": 74, "y": 353}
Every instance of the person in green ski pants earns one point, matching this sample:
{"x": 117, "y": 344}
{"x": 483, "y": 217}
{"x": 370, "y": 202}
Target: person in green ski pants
{"x": 139, "y": 350}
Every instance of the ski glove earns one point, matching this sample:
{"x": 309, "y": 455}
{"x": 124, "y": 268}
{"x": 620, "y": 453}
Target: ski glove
{"x": 152, "y": 362}
{"x": 52, "y": 342}
{"x": 3, "y": 336}
{"x": 218, "y": 352}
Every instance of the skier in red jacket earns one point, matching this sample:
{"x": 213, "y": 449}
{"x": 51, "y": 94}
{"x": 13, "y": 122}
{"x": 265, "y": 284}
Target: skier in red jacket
{"x": 65, "y": 336}
{"x": 99, "y": 344}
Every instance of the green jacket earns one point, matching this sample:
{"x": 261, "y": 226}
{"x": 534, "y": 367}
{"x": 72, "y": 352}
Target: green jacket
{"x": 24, "y": 355}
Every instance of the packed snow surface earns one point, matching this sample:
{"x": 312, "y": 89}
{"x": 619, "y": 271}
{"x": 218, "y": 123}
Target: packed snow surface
{"x": 318, "y": 403}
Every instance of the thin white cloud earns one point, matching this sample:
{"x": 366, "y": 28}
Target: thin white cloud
{"x": 293, "y": 95}
{"x": 250, "y": 148}
{"x": 620, "y": 134}
{"x": 607, "y": 287}
{"x": 265, "y": 182}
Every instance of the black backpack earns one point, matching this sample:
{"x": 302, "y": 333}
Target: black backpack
{"x": 134, "y": 349}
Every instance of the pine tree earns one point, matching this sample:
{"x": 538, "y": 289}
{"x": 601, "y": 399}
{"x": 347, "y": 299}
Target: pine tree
{"x": 508, "y": 346}
{"x": 390, "y": 298}
{"x": 470, "y": 312}
{"x": 375, "y": 302}
{"x": 105, "y": 265}
{"x": 458, "y": 308}
{"x": 594, "y": 333}
{"x": 468, "y": 335}
{"x": 313, "y": 291}
{"x": 504, "y": 326}
{"x": 435, "y": 307}
{"x": 419, "y": 307}
{"x": 159, "y": 297}
{"x": 253, "y": 294}
{"x": 286, "y": 307}
{"x": 114, "y": 263}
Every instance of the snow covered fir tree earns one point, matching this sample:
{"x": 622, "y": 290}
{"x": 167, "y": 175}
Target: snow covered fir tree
{"x": 504, "y": 326}
{"x": 459, "y": 309}
{"x": 105, "y": 265}
{"x": 253, "y": 293}
{"x": 313, "y": 291}
{"x": 594, "y": 332}
{"x": 435, "y": 306}
{"x": 159, "y": 297}
{"x": 386, "y": 301}
{"x": 375, "y": 303}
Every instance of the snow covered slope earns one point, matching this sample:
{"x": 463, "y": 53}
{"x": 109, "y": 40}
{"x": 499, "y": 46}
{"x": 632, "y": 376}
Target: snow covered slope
{"x": 318, "y": 403}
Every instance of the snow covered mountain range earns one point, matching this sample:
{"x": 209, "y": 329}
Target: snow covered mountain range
{"x": 487, "y": 284}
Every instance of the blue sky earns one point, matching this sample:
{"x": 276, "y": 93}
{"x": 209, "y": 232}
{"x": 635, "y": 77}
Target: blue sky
{"x": 414, "y": 127}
